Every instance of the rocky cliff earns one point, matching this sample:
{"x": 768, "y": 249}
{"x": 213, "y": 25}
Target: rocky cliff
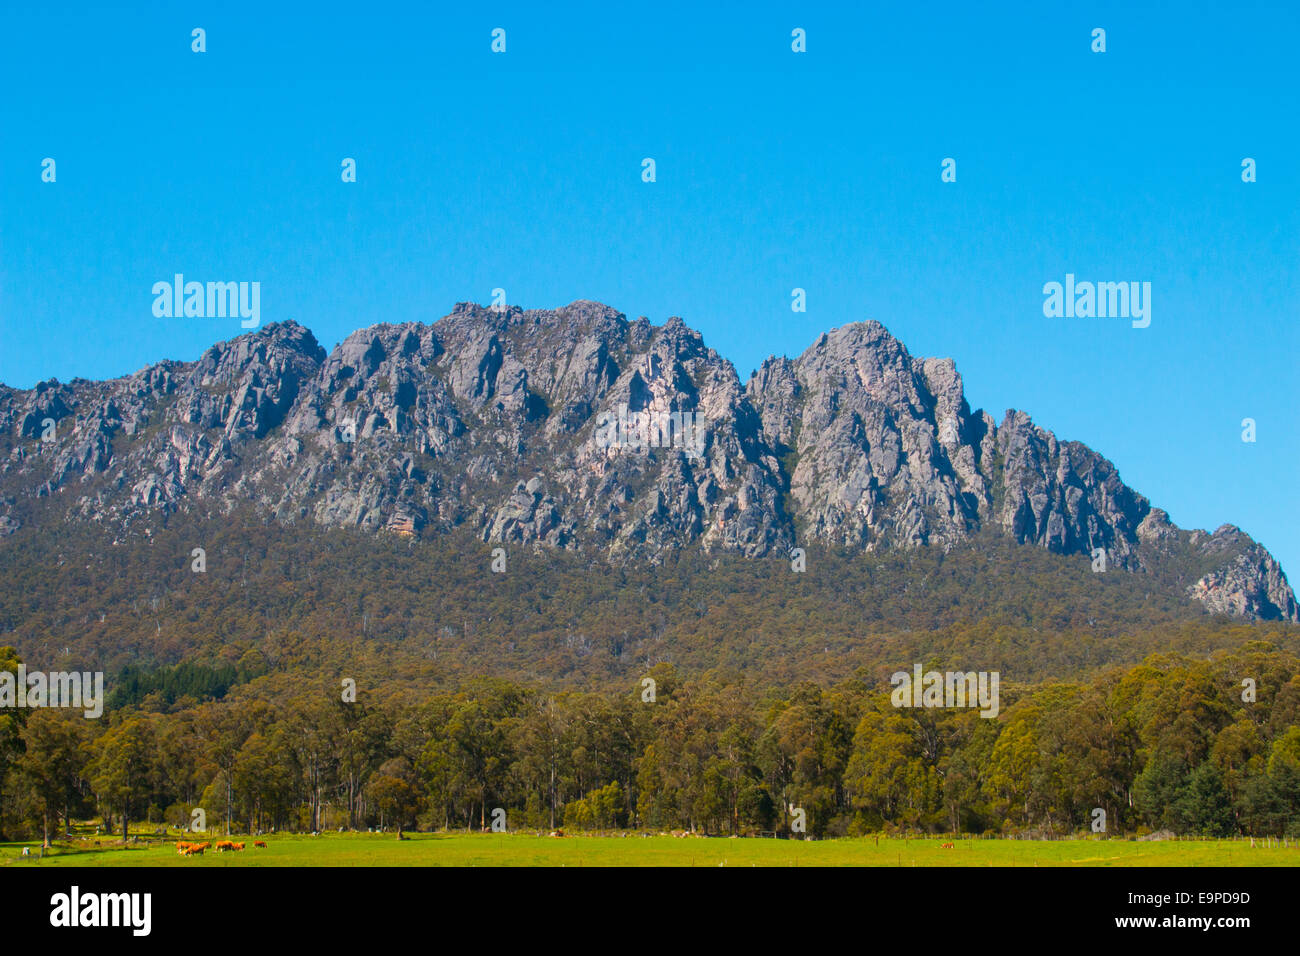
{"x": 497, "y": 421}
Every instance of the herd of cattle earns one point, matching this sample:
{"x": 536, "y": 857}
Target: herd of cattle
{"x": 196, "y": 849}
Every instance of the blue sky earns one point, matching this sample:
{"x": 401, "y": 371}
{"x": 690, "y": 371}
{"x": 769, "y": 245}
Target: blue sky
{"x": 775, "y": 170}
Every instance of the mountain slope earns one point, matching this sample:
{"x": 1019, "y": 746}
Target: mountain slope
{"x": 491, "y": 422}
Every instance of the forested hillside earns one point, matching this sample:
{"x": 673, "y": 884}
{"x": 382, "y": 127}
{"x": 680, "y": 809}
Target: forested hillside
{"x": 280, "y": 600}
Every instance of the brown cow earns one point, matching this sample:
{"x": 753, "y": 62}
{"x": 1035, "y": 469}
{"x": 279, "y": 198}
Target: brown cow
{"x": 945, "y": 846}
{"x": 259, "y": 843}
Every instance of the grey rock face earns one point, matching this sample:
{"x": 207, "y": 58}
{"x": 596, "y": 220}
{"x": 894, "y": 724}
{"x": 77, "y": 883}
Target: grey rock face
{"x": 1250, "y": 585}
{"x": 1064, "y": 496}
{"x": 500, "y": 421}
{"x": 877, "y": 444}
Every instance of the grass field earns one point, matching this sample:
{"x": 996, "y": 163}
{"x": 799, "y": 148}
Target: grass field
{"x": 528, "y": 849}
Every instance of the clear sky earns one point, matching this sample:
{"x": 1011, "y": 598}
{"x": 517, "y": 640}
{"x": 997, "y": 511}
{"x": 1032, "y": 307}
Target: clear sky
{"x": 774, "y": 169}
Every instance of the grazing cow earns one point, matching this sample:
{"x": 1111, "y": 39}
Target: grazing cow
{"x": 259, "y": 843}
{"x": 945, "y": 846}
{"x": 236, "y": 846}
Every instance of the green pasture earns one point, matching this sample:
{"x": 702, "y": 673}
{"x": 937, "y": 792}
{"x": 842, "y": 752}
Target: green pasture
{"x": 531, "y": 849}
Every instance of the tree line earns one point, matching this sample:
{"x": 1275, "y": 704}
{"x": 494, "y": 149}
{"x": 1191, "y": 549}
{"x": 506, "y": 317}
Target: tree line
{"x": 1196, "y": 746}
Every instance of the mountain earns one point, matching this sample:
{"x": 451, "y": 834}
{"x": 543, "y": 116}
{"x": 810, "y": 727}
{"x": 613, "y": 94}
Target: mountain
{"x": 499, "y": 423}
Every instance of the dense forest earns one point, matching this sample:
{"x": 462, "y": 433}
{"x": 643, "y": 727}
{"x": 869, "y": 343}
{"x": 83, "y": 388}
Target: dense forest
{"x": 522, "y": 689}
{"x": 1174, "y": 743}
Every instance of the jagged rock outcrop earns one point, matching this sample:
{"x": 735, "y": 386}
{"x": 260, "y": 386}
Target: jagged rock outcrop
{"x": 576, "y": 428}
{"x": 1251, "y": 583}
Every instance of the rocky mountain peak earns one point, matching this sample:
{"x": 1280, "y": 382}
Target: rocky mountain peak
{"x": 489, "y": 419}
